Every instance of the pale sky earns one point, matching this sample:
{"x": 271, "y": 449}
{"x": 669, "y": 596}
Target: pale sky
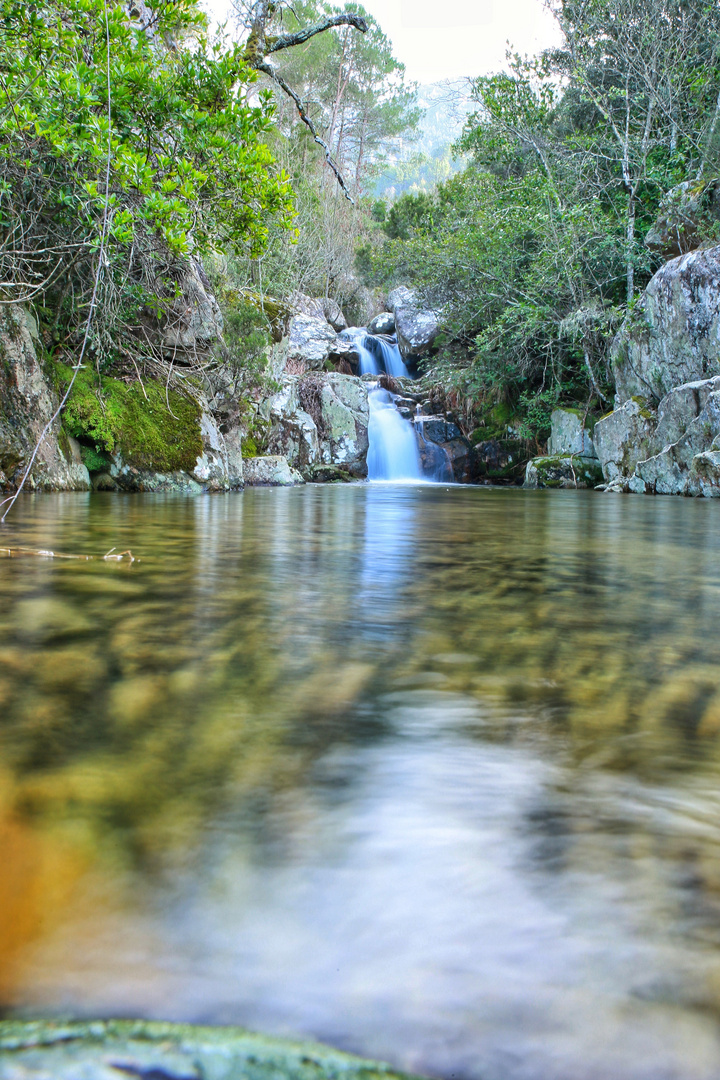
{"x": 445, "y": 39}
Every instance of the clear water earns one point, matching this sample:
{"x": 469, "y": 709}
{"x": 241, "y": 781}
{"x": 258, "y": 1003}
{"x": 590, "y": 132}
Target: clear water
{"x": 429, "y": 773}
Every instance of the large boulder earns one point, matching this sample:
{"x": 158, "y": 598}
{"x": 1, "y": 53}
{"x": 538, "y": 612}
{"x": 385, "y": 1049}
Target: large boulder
{"x": 416, "y": 327}
{"x": 673, "y": 334}
{"x": 320, "y": 419}
{"x": 271, "y": 471}
{"x": 27, "y": 405}
{"x": 562, "y": 472}
{"x": 309, "y": 344}
{"x": 321, "y": 307}
{"x": 344, "y": 416}
{"x": 571, "y": 433}
{"x": 624, "y": 437}
{"x": 443, "y": 433}
{"x": 384, "y": 323}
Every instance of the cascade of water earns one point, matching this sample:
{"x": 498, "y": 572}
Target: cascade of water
{"x": 393, "y": 452}
{"x": 376, "y": 355}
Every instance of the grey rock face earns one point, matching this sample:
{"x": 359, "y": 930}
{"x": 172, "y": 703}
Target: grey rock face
{"x": 127, "y": 478}
{"x": 669, "y": 472}
{"x": 271, "y": 471}
{"x": 320, "y": 308}
{"x": 310, "y": 342}
{"x": 218, "y": 468}
{"x": 569, "y": 435}
{"x": 402, "y": 297}
{"x": 673, "y": 336}
{"x": 384, "y": 323}
{"x": 194, "y": 321}
{"x": 562, "y": 472}
{"x": 343, "y": 437}
{"x": 27, "y": 403}
{"x": 321, "y": 420}
{"x": 624, "y": 437}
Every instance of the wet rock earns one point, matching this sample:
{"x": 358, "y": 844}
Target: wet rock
{"x": 384, "y": 323}
{"x": 563, "y": 472}
{"x": 499, "y": 460}
{"x": 326, "y": 474}
{"x": 99, "y": 1050}
{"x": 129, "y": 478}
{"x": 673, "y": 334}
{"x": 624, "y": 437}
{"x": 438, "y": 429}
{"x": 27, "y": 403}
{"x": 570, "y": 433}
{"x": 271, "y": 471}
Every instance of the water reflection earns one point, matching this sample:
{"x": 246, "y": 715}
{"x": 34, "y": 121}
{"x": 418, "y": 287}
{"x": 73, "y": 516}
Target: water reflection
{"x": 431, "y": 774}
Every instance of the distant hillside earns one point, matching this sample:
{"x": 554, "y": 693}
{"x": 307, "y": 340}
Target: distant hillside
{"x": 422, "y": 164}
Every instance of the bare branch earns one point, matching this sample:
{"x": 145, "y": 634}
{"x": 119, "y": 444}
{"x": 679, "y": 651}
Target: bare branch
{"x": 273, "y": 74}
{"x": 286, "y": 41}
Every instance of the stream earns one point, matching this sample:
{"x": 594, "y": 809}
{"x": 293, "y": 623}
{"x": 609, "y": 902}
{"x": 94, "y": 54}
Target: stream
{"x": 430, "y": 773}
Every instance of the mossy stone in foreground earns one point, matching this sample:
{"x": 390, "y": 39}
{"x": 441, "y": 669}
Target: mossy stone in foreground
{"x": 117, "y": 1049}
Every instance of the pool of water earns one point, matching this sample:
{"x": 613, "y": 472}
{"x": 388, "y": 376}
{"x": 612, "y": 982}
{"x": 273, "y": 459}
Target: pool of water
{"x": 428, "y": 773}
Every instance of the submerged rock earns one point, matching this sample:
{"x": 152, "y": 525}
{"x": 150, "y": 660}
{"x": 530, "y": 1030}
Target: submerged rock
{"x": 563, "y": 472}
{"x": 100, "y": 1050}
{"x": 271, "y": 471}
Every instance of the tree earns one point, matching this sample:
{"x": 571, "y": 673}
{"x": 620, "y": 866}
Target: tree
{"x": 130, "y": 136}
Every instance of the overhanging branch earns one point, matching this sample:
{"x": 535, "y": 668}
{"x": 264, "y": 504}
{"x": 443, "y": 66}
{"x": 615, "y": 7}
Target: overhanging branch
{"x": 286, "y": 41}
{"x": 270, "y": 71}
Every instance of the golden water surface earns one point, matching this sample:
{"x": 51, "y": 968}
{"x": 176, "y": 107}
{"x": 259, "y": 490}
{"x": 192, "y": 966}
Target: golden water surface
{"x": 429, "y": 773}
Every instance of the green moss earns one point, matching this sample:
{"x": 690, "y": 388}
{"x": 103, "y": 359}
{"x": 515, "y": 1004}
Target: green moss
{"x": 645, "y": 410}
{"x": 249, "y": 447}
{"x": 109, "y": 415}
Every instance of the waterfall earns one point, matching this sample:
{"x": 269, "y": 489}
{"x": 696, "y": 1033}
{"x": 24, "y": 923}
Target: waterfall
{"x": 393, "y": 452}
{"x": 377, "y": 355}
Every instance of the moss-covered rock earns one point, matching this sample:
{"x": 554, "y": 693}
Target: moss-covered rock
{"x": 110, "y": 416}
{"x": 563, "y": 472}
{"x": 100, "y": 1050}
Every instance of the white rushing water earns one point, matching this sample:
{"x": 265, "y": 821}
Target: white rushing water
{"x": 377, "y": 356}
{"x": 393, "y": 452}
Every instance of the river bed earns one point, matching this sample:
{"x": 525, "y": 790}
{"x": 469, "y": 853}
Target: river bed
{"x": 428, "y": 773}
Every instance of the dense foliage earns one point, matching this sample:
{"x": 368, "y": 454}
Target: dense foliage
{"x": 536, "y": 252}
{"x": 127, "y": 128}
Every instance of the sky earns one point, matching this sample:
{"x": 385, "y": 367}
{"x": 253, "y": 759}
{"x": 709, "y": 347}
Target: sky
{"x": 447, "y": 39}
